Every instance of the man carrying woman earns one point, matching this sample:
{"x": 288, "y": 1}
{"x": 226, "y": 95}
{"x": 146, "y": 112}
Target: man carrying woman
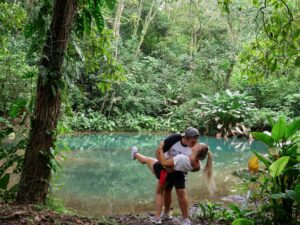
{"x": 176, "y": 155}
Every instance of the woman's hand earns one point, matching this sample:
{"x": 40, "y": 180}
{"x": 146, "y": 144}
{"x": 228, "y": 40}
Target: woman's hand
{"x": 195, "y": 165}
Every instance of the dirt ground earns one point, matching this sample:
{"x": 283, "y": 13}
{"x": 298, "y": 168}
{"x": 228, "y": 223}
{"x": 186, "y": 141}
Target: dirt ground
{"x": 35, "y": 215}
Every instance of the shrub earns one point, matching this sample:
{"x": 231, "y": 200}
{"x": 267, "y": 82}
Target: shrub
{"x": 223, "y": 111}
{"x": 95, "y": 121}
{"x": 12, "y": 160}
{"x": 279, "y": 183}
{"x": 257, "y": 120}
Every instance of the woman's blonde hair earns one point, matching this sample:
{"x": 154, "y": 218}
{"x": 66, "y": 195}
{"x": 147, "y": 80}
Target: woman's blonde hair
{"x": 202, "y": 153}
{"x": 208, "y": 174}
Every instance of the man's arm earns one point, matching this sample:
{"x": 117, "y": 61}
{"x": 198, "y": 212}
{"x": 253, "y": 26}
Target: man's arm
{"x": 161, "y": 157}
{"x": 163, "y": 161}
{"x": 165, "y": 145}
{"x": 159, "y": 149}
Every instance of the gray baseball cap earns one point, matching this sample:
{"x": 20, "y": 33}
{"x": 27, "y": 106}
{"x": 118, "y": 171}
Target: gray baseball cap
{"x": 191, "y": 132}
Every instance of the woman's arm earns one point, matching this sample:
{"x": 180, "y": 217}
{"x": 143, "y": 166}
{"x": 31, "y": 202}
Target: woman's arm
{"x": 163, "y": 161}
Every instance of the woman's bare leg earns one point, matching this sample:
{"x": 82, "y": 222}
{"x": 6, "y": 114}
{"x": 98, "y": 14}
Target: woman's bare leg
{"x": 159, "y": 194}
{"x": 146, "y": 160}
{"x": 159, "y": 199}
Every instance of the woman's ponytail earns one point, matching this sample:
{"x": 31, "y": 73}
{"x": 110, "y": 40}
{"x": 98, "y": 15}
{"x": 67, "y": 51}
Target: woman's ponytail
{"x": 208, "y": 174}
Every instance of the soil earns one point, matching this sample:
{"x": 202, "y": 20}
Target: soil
{"x": 37, "y": 215}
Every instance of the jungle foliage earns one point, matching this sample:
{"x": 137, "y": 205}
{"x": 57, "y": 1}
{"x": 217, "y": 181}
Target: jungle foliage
{"x": 155, "y": 60}
{"x": 188, "y": 53}
{"x": 221, "y": 66}
{"x": 273, "y": 190}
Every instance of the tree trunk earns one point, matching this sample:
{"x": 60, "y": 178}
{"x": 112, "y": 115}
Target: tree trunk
{"x": 136, "y": 25}
{"x": 195, "y": 25}
{"x": 150, "y": 16}
{"x": 228, "y": 74}
{"x": 117, "y": 25}
{"x": 35, "y": 178}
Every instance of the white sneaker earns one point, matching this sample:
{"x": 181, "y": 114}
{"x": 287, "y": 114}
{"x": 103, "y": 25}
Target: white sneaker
{"x": 186, "y": 222}
{"x": 133, "y": 150}
{"x": 155, "y": 220}
{"x": 165, "y": 216}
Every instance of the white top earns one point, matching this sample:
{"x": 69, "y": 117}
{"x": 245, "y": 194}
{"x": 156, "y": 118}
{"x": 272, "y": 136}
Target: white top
{"x": 177, "y": 149}
{"x": 182, "y": 163}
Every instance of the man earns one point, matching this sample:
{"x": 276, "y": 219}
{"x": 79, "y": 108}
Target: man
{"x": 173, "y": 145}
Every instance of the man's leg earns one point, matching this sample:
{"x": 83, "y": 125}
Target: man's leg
{"x": 183, "y": 202}
{"x": 179, "y": 182}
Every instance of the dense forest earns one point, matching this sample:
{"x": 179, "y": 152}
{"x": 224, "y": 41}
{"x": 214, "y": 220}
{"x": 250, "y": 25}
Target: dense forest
{"x": 228, "y": 68}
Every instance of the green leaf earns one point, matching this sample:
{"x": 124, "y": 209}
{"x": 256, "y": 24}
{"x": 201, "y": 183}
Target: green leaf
{"x": 278, "y": 196}
{"x": 110, "y": 4}
{"x": 291, "y": 150}
{"x": 28, "y": 30}
{"x": 292, "y": 128}
{"x": 278, "y": 166}
{"x": 297, "y": 61}
{"x": 17, "y": 107}
{"x": 270, "y": 121}
{"x": 262, "y": 158}
{"x": 255, "y": 3}
{"x": 278, "y": 130}
{"x": 273, "y": 65}
{"x": 297, "y": 194}
{"x": 293, "y": 194}
{"x": 78, "y": 25}
{"x": 296, "y": 34}
{"x": 242, "y": 221}
{"x": 228, "y": 92}
{"x": 235, "y": 208}
{"x": 5, "y": 132}
{"x": 4, "y": 181}
{"x": 5, "y": 121}
{"x": 268, "y": 140}
{"x": 97, "y": 15}
{"x": 87, "y": 21}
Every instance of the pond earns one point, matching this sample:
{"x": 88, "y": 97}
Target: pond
{"x": 99, "y": 177}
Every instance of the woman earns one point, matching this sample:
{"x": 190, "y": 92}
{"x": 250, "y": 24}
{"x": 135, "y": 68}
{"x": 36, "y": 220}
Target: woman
{"x": 179, "y": 163}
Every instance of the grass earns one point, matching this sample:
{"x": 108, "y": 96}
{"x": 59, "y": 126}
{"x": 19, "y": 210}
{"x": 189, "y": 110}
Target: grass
{"x": 57, "y": 206}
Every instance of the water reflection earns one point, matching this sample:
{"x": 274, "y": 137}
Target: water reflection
{"x": 99, "y": 178}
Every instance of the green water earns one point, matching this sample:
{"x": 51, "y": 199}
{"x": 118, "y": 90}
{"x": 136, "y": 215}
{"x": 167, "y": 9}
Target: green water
{"x": 99, "y": 178}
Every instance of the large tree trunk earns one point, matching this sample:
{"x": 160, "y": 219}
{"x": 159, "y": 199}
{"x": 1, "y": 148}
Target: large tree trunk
{"x": 117, "y": 22}
{"x": 136, "y": 25}
{"x": 150, "y": 16}
{"x": 195, "y": 26}
{"x": 35, "y": 178}
{"x": 228, "y": 74}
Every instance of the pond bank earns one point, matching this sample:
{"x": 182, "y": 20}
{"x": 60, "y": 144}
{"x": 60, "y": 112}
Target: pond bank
{"x": 166, "y": 133}
{"x": 38, "y": 215}
{"x": 98, "y": 179}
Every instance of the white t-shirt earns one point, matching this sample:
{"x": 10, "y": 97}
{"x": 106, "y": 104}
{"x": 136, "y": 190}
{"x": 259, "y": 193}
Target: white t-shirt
{"x": 182, "y": 163}
{"x": 173, "y": 146}
{"x": 177, "y": 149}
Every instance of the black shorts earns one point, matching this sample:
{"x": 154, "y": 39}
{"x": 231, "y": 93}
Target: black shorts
{"x": 157, "y": 167}
{"x": 176, "y": 178}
